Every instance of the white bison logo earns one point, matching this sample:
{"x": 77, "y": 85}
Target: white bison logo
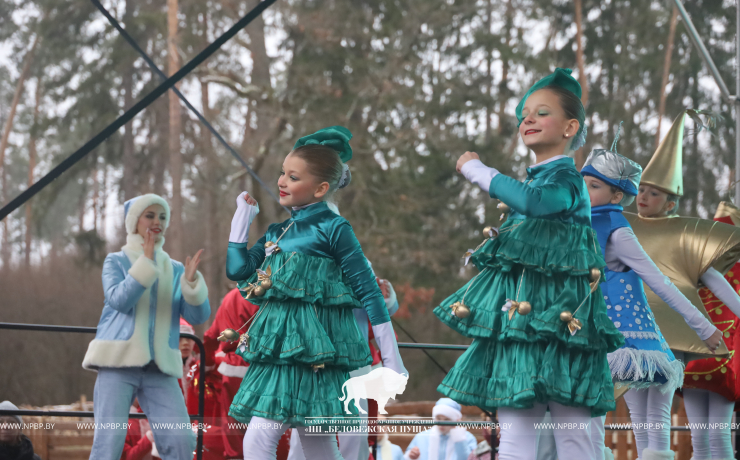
{"x": 381, "y": 385}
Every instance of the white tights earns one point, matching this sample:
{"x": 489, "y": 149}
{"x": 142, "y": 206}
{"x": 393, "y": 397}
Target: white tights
{"x": 519, "y": 431}
{"x": 598, "y": 434}
{"x": 263, "y": 435}
{"x": 705, "y": 408}
{"x": 650, "y": 411}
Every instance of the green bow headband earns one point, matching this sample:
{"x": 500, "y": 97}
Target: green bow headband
{"x": 334, "y": 137}
{"x": 561, "y": 78}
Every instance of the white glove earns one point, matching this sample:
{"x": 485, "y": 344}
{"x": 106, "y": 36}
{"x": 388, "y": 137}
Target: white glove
{"x": 386, "y": 340}
{"x": 243, "y": 217}
{"x": 479, "y": 174}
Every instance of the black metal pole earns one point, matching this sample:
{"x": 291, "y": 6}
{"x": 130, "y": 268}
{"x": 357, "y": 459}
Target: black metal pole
{"x": 199, "y": 417}
{"x": 201, "y": 392}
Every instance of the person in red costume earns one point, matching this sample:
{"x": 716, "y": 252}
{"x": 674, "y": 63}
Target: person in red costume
{"x": 213, "y": 439}
{"x": 713, "y": 383}
{"x": 213, "y": 444}
{"x": 138, "y": 444}
{"x": 233, "y": 313}
{"x": 189, "y": 356}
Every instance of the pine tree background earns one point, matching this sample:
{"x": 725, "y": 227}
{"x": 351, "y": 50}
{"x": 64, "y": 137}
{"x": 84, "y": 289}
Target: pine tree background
{"x": 418, "y": 82}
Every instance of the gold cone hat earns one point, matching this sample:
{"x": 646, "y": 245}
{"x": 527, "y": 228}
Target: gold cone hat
{"x": 665, "y": 169}
{"x": 727, "y": 210}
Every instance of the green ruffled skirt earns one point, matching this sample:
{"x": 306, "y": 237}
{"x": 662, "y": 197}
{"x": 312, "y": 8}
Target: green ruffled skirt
{"x": 305, "y": 320}
{"x": 533, "y": 358}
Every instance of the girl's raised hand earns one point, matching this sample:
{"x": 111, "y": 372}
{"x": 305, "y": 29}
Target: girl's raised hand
{"x": 244, "y": 199}
{"x": 250, "y": 201}
{"x": 464, "y": 158}
{"x": 714, "y": 340}
{"x": 149, "y": 244}
{"x": 191, "y": 266}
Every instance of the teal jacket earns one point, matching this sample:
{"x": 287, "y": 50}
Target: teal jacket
{"x": 318, "y": 232}
{"x": 554, "y": 191}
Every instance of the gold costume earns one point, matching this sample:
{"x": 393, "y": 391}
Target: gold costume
{"x": 683, "y": 248}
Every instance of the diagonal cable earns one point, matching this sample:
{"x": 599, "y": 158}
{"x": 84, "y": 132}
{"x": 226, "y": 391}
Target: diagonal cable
{"x": 133, "y": 111}
{"x": 187, "y": 103}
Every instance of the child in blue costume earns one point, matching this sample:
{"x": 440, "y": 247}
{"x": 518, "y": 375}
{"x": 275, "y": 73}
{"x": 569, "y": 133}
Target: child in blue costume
{"x": 307, "y": 274}
{"x": 136, "y": 346}
{"x": 540, "y": 332}
{"x": 645, "y": 363}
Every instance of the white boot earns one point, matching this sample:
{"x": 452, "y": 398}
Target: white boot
{"x": 608, "y": 454}
{"x": 650, "y": 454}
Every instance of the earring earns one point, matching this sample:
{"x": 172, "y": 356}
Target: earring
{"x": 567, "y": 135}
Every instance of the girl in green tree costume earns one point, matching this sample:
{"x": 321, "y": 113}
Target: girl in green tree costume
{"x": 306, "y": 274}
{"x": 535, "y": 313}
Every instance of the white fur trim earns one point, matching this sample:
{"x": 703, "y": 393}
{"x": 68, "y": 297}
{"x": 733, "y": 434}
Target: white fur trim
{"x": 194, "y": 294}
{"x": 169, "y": 360}
{"x": 449, "y": 412}
{"x": 631, "y": 368}
{"x": 456, "y": 434}
{"x": 386, "y": 448}
{"x": 135, "y": 352}
{"x": 135, "y": 245}
{"x": 145, "y": 271}
{"x": 229, "y": 370}
{"x": 137, "y": 209}
{"x": 117, "y": 353}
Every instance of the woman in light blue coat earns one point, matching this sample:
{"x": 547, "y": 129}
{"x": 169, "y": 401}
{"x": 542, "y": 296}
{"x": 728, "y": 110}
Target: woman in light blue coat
{"x": 135, "y": 349}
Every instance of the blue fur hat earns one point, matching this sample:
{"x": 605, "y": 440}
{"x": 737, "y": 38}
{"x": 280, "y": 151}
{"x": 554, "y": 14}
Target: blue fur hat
{"x": 134, "y": 208}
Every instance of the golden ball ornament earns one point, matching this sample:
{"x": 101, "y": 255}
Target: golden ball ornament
{"x": 566, "y": 316}
{"x": 266, "y": 284}
{"x": 487, "y": 231}
{"x": 460, "y": 310}
{"x": 503, "y": 207}
{"x": 259, "y": 291}
{"x": 595, "y": 274}
{"x": 524, "y": 308}
{"x": 228, "y": 335}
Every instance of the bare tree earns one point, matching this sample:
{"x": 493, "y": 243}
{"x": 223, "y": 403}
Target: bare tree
{"x": 32, "y": 156}
{"x": 582, "y": 79}
{"x": 503, "y": 89}
{"x": 489, "y": 82}
{"x": 27, "y": 60}
{"x": 212, "y": 266}
{"x": 173, "y": 65}
{"x": 128, "y": 182}
{"x": 256, "y": 141}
